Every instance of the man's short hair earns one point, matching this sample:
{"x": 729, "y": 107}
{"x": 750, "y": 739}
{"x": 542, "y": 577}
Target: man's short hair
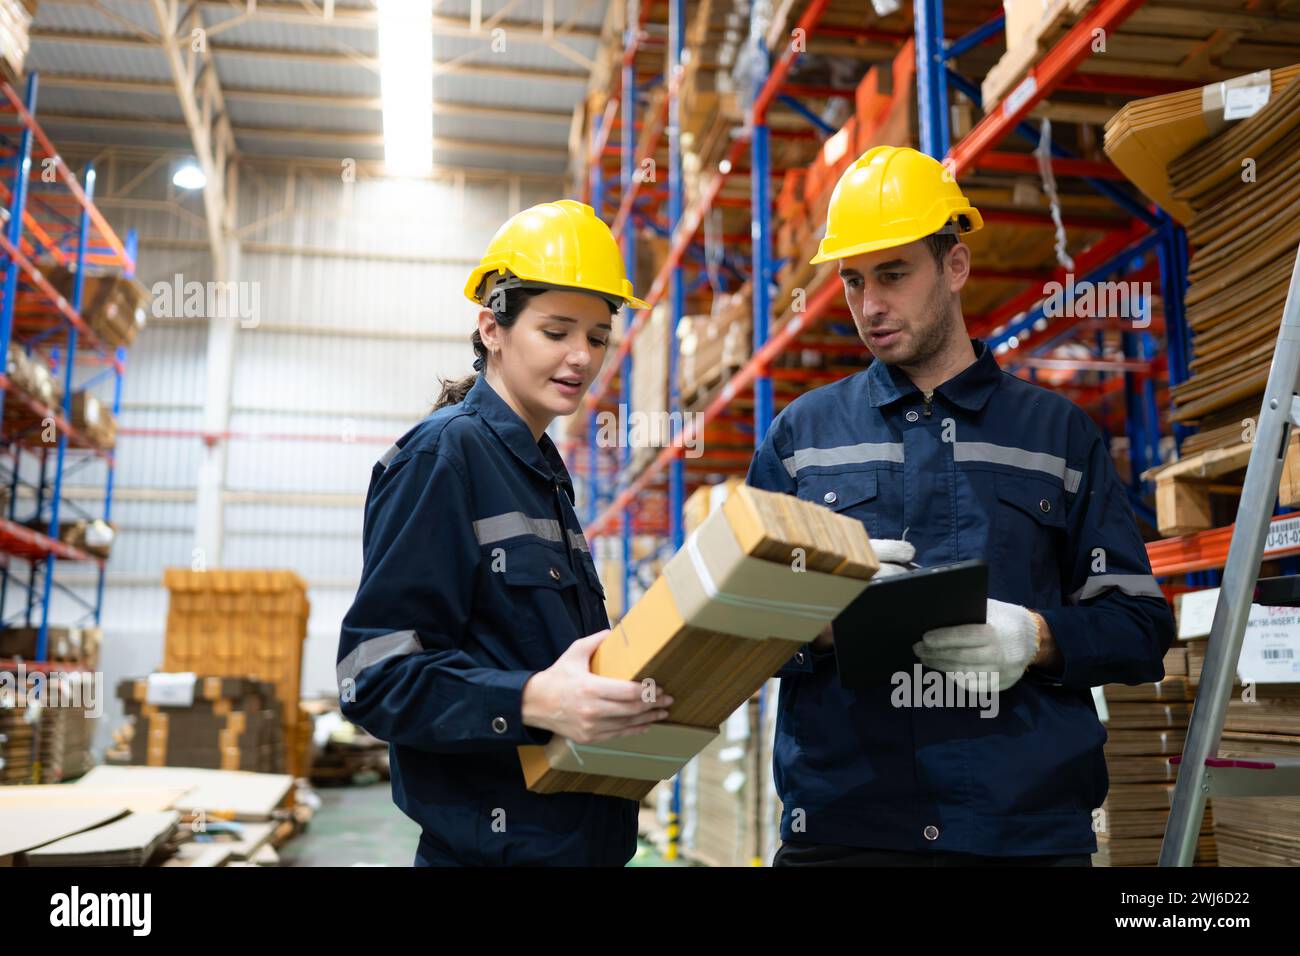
{"x": 939, "y": 243}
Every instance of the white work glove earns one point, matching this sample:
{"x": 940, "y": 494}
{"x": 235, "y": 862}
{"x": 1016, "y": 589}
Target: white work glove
{"x": 894, "y": 556}
{"x": 1005, "y": 645}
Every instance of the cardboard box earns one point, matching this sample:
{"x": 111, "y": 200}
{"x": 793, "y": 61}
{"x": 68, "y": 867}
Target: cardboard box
{"x": 116, "y": 308}
{"x": 94, "y": 536}
{"x": 93, "y": 419}
{"x": 74, "y": 645}
{"x": 15, "y": 38}
{"x": 760, "y": 576}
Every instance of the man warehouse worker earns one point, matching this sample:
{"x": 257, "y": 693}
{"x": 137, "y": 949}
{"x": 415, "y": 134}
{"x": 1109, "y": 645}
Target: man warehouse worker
{"x": 945, "y": 457}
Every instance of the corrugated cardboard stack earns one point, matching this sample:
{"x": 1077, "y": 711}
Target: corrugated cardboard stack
{"x": 713, "y": 346}
{"x": 885, "y": 114}
{"x": 760, "y": 576}
{"x": 1262, "y": 721}
{"x": 726, "y": 785}
{"x": 1147, "y": 724}
{"x": 65, "y": 733}
{"x": 17, "y": 740}
{"x": 1233, "y": 183}
{"x": 229, "y": 723}
{"x": 1260, "y": 831}
{"x": 650, "y": 387}
{"x": 242, "y": 624}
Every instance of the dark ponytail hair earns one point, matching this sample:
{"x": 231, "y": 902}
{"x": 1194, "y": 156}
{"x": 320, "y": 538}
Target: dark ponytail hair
{"x": 506, "y": 304}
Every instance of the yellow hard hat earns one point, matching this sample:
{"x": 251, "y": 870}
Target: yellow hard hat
{"x": 890, "y": 196}
{"x": 561, "y": 244}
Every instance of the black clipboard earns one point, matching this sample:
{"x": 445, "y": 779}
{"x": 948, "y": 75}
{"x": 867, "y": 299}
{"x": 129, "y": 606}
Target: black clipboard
{"x": 874, "y": 635}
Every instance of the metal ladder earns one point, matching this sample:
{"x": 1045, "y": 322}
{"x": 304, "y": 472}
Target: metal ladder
{"x": 1202, "y": 773}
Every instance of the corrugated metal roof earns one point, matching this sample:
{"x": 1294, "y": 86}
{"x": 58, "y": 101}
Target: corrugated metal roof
{"x": 53, "y": 15}
{"x": 589, "y": 14}
{"x": 339, "y": 76}
{"x": 293, "y": 36}
{"x": 89, "y": 59}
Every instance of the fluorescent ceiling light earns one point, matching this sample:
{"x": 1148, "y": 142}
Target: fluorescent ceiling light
{"x": 406, "y": 82}
{"x": 189, "y": 176}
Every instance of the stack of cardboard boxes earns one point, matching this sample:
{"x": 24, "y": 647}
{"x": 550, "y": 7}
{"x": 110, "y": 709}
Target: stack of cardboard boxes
{"x": 71, "y": 645}
{"x": 217, "y": 723}
{"x": 64, "y": 733}
{"x": 249, "y": 624}
{"x": 761, "y": 575}
{"x": 115, "y": 307}
{"x": 15, "y": 32}
{"x": 30, "y": 374}
{"x": 884, "y": 114}
{"x": 713, "y": 346}
{"x": 1146, "y": 726}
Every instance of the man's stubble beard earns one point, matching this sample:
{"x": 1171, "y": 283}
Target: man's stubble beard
{"x": 932, "y": 341}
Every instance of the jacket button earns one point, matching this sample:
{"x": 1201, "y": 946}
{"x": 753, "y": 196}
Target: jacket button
{"x": 931, "y": 833}
{"x": 830, "y": 497}
{"x": 1044, "y": 506}
{"x": 499, "y": 725}
{"x": 555, "y": 572}
{"x": 799, "y": 657}
{"x": 911, "y": 416}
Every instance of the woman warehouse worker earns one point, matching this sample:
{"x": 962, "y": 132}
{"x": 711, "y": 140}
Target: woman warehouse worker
{"x": 466, "y": 637}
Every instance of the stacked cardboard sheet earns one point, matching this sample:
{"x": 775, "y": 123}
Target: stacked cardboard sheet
{"x": 1260, "y": 831}
{"x": 760, "y": 576}
{"x": 229, "y": 794}
{"x": 243, "y": 624}
{"x": 727, "y": 783}
{"x": 220, "y": 723}
{"x": 1147, "y": 726}
{"x": 24, "y": 828}
{"x": 1234, "y": 184}
{"x": 130, "y": 841}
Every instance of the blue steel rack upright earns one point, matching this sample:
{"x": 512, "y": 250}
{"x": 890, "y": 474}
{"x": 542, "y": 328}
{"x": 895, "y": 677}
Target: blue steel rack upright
{"x": 51, "y": 215}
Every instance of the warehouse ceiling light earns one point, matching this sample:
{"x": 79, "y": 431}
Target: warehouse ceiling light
{"x": 406, "y": 82}
{"x": 189, "y": 176}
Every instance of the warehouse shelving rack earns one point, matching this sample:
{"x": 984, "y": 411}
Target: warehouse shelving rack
{"x": 1152, "y": 236}
{"x": 51, "y": 216}
{"x": 1146, "y": 245}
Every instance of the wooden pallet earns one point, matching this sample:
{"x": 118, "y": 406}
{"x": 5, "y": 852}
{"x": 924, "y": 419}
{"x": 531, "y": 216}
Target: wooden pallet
{"x": 1184, "y": 488}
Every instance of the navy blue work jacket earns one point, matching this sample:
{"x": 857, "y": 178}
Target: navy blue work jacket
{"x": 992, "y": 467}
{"x": 476, "y": 575}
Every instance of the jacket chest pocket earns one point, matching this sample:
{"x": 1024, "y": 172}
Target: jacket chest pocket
{"x": 541, "y": 588}
{"x": 1030, "y": 532}
{"x": 594, "y": 593}
{"x": 853, "y": 493}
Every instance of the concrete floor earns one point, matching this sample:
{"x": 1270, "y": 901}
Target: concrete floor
{"x": 358, "y": 825}
{"x": 361, "y": 826}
